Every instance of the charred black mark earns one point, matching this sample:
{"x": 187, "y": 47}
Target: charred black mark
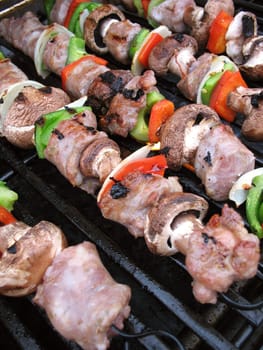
{"x": 165, "y": 151}
{"x": 1, "y": 100}
{"x": 118, "y": 190}
{"x": 133, "y": 94}
{"x": 198, "y": 118}
{"x": 206, "y": 238}
{"x": 70, "y": 110}
{"x": 179, "y": 37}
{"x": 46, "y": 89}
{"x": 92, "y": 130}
{"x": 40, "y": 121}
{"x": 58, "y": 133}
{"x": 247, "y": 26}
{"x": 169, "y": 243}
{"x": 208, "y": 158}
{"x": 21, "y": 97}
{"x": 256, "y": 98}
{"x": 12, "y": 249}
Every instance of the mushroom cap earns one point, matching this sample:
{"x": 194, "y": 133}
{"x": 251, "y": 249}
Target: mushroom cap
{"x": 93, "y": 24}
{"x": 170, "y": 223}
{"x": 23, "y": 264}
{"x": 27, "y": 107}
{"x": 182, "y": 132}
{"x": 253, "y": 53}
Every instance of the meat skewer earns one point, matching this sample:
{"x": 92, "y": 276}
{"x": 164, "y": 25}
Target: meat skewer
{"x": 176, "y": 53}
{"x": 171, "y": 221}
{"x": 124, "y": 107}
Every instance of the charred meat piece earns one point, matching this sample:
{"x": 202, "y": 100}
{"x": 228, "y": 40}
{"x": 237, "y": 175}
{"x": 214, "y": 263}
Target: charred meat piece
{"x": 125, "y": 106}
{"x": 93, "y": 26}
{"x": 131, "y": 208}
{"x": 22, "y": 32}
{"x": 221, "y": 253}
{"x": 174, "y": 53}
{"x": 84, "y": 155}
{"x": 81, "y": 76}
{"x": 9, "y": 75}
{"x": 59, "y": 11}
{"x": 81, "y": 299}
{"x": 26, "y": 253}
{"x": 171, "y": 222}
{"x": 118, "y": 38}
{"x": 243, "y": 26}
{"x": 181, "y": 134}
{"x": 220, "y": 159}
{"x": 103, "y": 88}
{"x": 250, "y": 103}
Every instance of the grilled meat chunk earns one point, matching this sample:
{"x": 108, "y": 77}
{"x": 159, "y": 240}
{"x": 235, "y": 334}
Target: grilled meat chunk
{"x": 132, "y": 209}
{"x": 250, "y": 103}
{"x": 174, "y": 53}
{"x": 84, "y": 155}
{"x": 171, "y": 14}
{"x": 118, "y": 38}
{"x": 81, "y": 299}
{"x": 103, "y": 88}
{"x": 221, "y": 253}
{"x": 220, "y": 159}
{"x": 125, "y": 106}
{"x": 9, "y": 75}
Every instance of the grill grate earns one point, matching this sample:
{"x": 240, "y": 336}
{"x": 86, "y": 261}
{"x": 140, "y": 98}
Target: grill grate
{"x": 161, "y": 286}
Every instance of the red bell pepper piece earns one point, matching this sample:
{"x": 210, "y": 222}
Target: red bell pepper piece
{"x": 217, "y": 33}
{"x": 145, "y": 5}
{"x": 152, "y": 165}
{"x": 160, "y": 112}
{"x": 218, "y": 101}
{"x": 6, "y": 217}
{"x": 72, "y": 7}
{"x": 153, "y": 40}
{"x": 68, "y": 68}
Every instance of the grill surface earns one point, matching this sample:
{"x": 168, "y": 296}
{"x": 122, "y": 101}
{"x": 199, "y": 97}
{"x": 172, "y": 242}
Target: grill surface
{"x": 161, "y": 287}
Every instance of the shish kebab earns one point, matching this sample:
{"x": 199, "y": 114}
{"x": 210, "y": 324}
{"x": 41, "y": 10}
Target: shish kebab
{"x": 120, "y": 101}
{"x": 208, "y": 79}
{"x": 38, "y": 260}
{"x": 169, "y": 187}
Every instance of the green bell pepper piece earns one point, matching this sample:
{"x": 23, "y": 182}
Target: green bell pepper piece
{"x": 260, "y": 213}
{"x": 2, "y": 56}
{"x": 139, "y": 7}
{"x": 137, "y": 41}
{"x": 74, "y": 25}
{"x": 152, "y": 4}
{"x": 7, "y": 196}
{"x": 253, "y": 203}
{"x": 211, "y": 82}
{"x": 141, "y": 131}
{"x": 48, "y": 6}
{"x": 46, "y": 124}
{"x": 76, "y": 49}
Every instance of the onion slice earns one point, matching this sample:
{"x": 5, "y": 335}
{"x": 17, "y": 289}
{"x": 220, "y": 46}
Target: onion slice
{"x": 9, "y": 95}
{"x": 217, "y": 66}
{"x": 139, "y": 154}
{"x": 238, "y": 192}
{"x": 51, "y": 31}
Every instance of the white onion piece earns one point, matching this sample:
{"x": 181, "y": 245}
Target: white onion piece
{"x": 9, "y": 95}
{"x": 139, "y": 154}
{"x": 238, "y": 192}
{"x": 106, "y": 25}
{"x": 42, "y": 41}
{"x": 77, "y": 103}
{"x": 82, "y": 18}
{"x": 217, "y": 66}
{"x": 136, "y": 66}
